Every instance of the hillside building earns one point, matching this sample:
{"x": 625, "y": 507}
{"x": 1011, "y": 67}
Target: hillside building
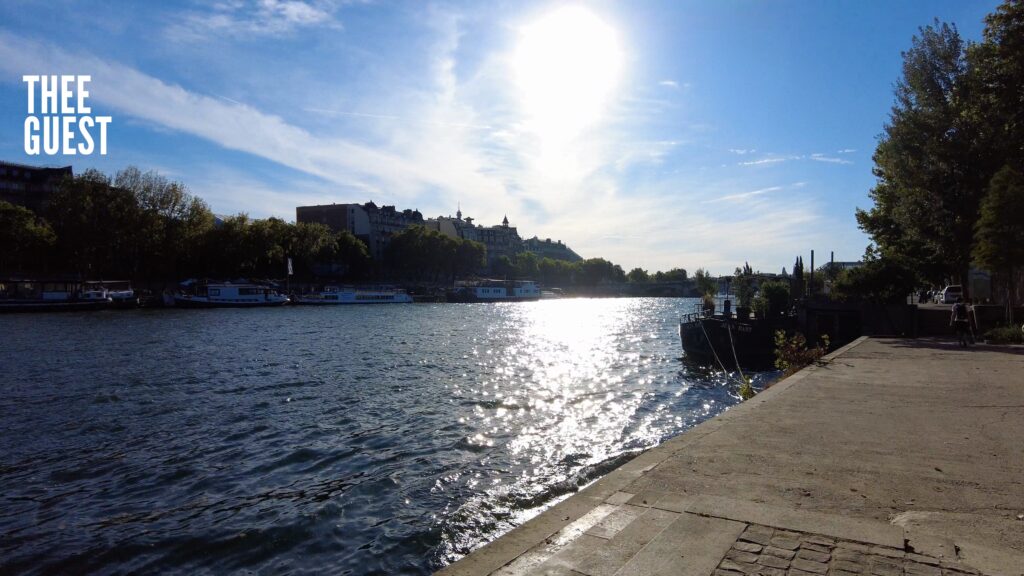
{"x": 30, "y": 186}
{"x": 374, "y": 225}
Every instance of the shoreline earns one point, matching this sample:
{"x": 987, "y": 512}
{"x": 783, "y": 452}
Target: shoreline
{"x": 822, "y": 479}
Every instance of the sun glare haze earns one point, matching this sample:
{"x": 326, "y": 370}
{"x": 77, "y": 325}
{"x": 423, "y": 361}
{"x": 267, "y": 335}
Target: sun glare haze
{"x": 567, "y": 67}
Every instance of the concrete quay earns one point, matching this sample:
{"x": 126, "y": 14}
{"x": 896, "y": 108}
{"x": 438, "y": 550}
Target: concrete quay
{"x": 891, "y": 458}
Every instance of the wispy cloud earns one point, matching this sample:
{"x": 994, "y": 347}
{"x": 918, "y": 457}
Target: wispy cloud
{"x": 669, "y": 83}
{"x": 829, "y": 159}
{"x": 742, "y": 151}
{"x": 408, "y": 153}
{"x": 744, "y": 195}
{"x": 846, "y": 151}
{"x": 253, "y": 18}
{"x": 396, "y": 118}
{"x": 649, "y": 153}
{"x": 762, "y": 161}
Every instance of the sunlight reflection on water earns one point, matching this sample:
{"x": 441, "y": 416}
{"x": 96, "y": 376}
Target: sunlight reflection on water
{"x": 382, "y": 439}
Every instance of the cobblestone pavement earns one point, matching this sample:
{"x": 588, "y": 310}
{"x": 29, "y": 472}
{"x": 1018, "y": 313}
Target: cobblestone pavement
{"x": 762, "y": 550}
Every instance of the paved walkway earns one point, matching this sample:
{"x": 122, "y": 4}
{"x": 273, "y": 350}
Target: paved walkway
{"x": 897, "y": 457}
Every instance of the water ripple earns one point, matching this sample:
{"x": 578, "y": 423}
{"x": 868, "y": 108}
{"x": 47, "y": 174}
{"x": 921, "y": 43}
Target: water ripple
{"x": 356, "y": 440}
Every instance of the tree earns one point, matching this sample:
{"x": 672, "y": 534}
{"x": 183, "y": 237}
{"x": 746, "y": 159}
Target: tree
{"x": 309, "y": 245}
{"x": 999, "y": 64}
{"x": 638, "y": 276}
{"x": 351, "y": 253}
{"x": 882, "y": 279}
{"x": 743, "y": 283}
{"x": 999, "y": 233}
{"x": 470, "y": 256}
{"x": 419, "y": 253}
{"x": 25, "y": 238}
{"x": 527, "y": 265}
{"x": 773, "y": 298}
{"x": 504, "y": 267}
{"x": 932, "y": 161}
{"x": 99, "y": 228}
{"x": 797, "y": 287}
{"x": 706, "y": 285}
{"x": 673, "y": 275}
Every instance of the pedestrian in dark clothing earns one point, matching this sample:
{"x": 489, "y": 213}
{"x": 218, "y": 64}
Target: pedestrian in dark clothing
{"x": 960, "y": 322}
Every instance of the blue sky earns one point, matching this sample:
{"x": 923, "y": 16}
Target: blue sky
{"x": 657, "y": 134}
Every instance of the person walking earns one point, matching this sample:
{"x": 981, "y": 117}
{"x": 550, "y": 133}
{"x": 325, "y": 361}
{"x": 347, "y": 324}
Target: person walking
{"x": 960, "y": 322}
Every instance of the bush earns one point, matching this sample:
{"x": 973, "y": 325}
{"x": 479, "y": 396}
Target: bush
{"x": 879, "y": 280}
{"x": 792, "y": 354}
{"x": 1005, "y": 335}
{"x": 773, "y": 300}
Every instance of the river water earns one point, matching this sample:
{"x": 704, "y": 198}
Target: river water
{"x": 352, "y": 440}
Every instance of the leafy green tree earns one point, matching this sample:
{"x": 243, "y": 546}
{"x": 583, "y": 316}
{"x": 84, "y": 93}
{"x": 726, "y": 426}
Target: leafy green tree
{"x": 557, "y": 272}
{"x": 351, "y": 254}
{"x": 25, "y": 239}
{"x": 673, "y": 275}
{"x": 743, "y": 284}
{"x": 470, "y": 256}
{"x": 773, "y": 298}
{"x": 593, "y": 271}
{"x": 999, "y": 233}
{"x": 882, "y": 279}
{"x": 706, "y": 285}
{"x": 419, "y": 253}
{"x": 170, "y": 223}
{"x": 527, "y": 265}
{"x": 638, "y": 276}
{"x": 309, "y": 245}
{"x": 998, "y": 62}
{"x": 99, "y": 228}
{"x": 932, "y": 161}
{"x": 503, "y": 267}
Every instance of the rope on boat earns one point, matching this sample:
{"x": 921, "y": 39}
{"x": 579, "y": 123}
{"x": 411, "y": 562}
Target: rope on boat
{"x": 728, "y": 374}
{"x": 734, "y": 357}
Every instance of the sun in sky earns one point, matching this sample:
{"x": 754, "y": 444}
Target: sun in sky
{"x": 567, "y": 65}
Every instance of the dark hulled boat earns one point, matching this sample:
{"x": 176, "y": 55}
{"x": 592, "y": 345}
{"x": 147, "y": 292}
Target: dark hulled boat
{"x": 723, "y": 340}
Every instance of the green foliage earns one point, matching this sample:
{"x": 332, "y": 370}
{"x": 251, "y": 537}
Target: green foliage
{"x": 773, "y": 299}
{"x": 747, "y": 389}
{"x": 707, "y": 302}
{"x": 527, "y": 265}
{"x": 704, "y": 282}
{"x": 1005, "y": 335}
{"x": 884, "y": 280}
{"x": 792, "y": 354}
{"x": 25, "y": 239}
{"x": 638, "y": 276}
{"x": 418, "y": 253}
{"x": 673, "y": 275}
{"x": 743, "y": 285}
{"x": 929, "y": 173}
{"x": 593, "y": 271}
{"x": 999, "y": 233}
{"x": 557, "y": 272}
{"x": 957, "y": 120}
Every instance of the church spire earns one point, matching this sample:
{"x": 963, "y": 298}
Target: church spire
{"x": 505, "y": 221}
{"x": 458, "y": 214}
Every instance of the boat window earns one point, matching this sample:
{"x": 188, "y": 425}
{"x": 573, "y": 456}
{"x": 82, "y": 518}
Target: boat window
{"x": 214, "y": 291}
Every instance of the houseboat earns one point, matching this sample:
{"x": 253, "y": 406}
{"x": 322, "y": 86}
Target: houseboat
{"x": 25, "y": 295}
{"x": 119, "y": 292}
{"x": 333, "y": 295}
{"x": 496, "y": 291}
{"x": 724, "y": 340}
{"x": 228, "y": 295}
